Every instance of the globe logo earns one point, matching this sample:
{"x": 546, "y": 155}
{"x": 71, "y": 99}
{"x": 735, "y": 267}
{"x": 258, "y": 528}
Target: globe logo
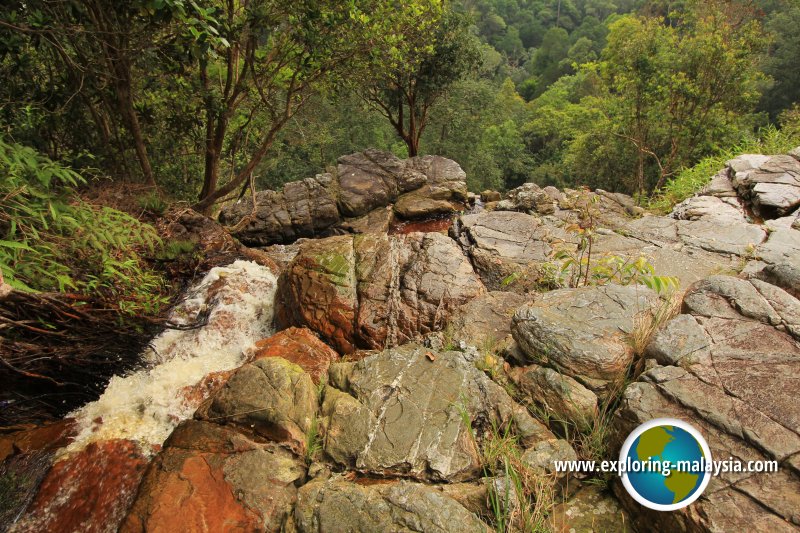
{"x": 665, "y": 464}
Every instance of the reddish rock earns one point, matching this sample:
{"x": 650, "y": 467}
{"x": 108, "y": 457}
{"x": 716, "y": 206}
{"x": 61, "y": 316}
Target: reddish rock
{"x": 194, "y": 395}
{"x": 373, "y": 291}
{"x": 211, "y": 478}
{"x": 89, "y": 491}
{"x": 30, "y": 438}
{"x": 300, "y": 346}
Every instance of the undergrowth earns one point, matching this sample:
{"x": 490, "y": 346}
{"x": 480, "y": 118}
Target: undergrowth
{"x": 52, "y": 241}
{"x": 688, "y": 181}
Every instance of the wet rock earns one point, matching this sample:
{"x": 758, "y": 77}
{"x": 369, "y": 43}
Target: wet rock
{"x": 352, "y": 199}
{"x": 590, "y": 510}
{"x": 301, "y": 347}
{"x": 272, "y": 396}
{"x": 336, "y": 505}
{"x": 584, "y": 332}
{"x": 738, "y": 368}
{"x": 89, "y": 491}
{"x": 561, "y": 395}
{"x": 372, "y": 291}
{"x": 212, "y": 478}
{"x": 402, "y": 412}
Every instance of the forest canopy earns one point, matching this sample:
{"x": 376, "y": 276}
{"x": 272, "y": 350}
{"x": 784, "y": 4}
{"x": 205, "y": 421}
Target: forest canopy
{"x": 201, "y": 99}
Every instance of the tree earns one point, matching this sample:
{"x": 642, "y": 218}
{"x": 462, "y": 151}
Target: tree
{"x": 425, "y": 73}
{"x": 676, "y": 90}
{"x": 277, "y": 55}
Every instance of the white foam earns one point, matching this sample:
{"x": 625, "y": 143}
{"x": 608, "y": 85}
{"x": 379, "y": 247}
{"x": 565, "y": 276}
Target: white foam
{"x": 146, "y": 405}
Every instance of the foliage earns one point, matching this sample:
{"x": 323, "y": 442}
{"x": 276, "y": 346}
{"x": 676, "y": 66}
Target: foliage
{"x": 431, "y": 65}
{"x": 52, "y": 242}
{"x": 690, "y": 180}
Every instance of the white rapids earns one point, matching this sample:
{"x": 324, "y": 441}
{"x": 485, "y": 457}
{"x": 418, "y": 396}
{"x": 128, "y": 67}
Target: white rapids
{"x": 146, "y": 405}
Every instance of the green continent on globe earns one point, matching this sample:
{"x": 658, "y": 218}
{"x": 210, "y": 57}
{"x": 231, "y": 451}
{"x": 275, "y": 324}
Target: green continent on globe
{"x": 680, "y": 484}
{"x": 653, "y": 441}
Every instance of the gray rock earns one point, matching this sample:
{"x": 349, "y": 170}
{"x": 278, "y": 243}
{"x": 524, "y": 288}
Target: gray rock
{"x": 584, "y": 332}
{"x": 337, "y": 505}
{"x": 504, "y": 243}
{"x": 710, "y": 208}
{"x": 770, "y": 183}
{"x": 561, "y": 395}
{"x": 739, "y": 369}
{"x": 783, "y": 275}
{"x": 590, "y": 510}
{"x": 404, "y": 411}
{"x": 485, "y": 322}
{"x": 363, "y": 182}
{"x": 541, "y": 457}
{"x": 303, "y": 209}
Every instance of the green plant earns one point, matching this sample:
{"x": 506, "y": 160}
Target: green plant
{"x": 689, "y": 180}
{"x": 153, "y": 203}
{"x": 52, "y": 241}
{"x": 313, "y": 441}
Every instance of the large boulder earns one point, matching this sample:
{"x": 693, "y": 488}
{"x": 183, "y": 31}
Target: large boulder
{"x": 336, "y": 505}
{"x": 560, "y": 395}
{"x": 352, "y": 198}
{"x": 770, "y": 184}
{"x": 272, "y": 396}
{"x": 586, "y": 332}
{"x": 502, "y": 244}
{"x": 485, "y": 322}
{"x": 212, "y": 478}
{"x": 404, "y": 411}
{"x": 371, "y": 291}
{"x": 729, "y": 366}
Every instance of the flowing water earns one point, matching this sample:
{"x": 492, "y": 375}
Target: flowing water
{"x": 146, "y": 405}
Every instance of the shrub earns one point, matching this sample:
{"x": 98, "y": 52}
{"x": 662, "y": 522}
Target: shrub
{"x": 52, "y": 241}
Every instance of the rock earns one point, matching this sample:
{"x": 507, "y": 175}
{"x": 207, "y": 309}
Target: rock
{"x": 529, "y": 198}
{"x": 782, "y": 246}
{"x": 353, "y": 199}
{"x": 590, "y": 510}
{"x": 215, "y": 245}
{"x": 723, "y": 238}
{"x": 89, "y": 491}
{"x": 212, "y": 478}
{"x": 490, "y": 196}
{"x": 282, "y": 254}
{"x": 485, "y": 322}
{"x": 541, "y": 457}
{"x": 735, "y": 384}
{"x": 303, "y": 209}
{"x": 376, "y": 221}
{"x": 711, "y": 208}
{"x": 770, "y": 183}
{"x": 272, "y": 396}
{"x": 727, "y": 297}
{"x": 402, "y": 412}
{"x": 419, "y": 206}
{"x": 783, "y": 275}
{"x": 561, "y": 395}
{"x": 336, "y": 506}
{"x": 301, "y": 347}
{"x": 504, "y": 243}
{"x": 373, "y": 291}
{"x": 584, "y": 332}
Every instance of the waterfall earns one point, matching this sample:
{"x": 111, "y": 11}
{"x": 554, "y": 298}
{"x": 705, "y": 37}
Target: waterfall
{"x": 145, "y": 405}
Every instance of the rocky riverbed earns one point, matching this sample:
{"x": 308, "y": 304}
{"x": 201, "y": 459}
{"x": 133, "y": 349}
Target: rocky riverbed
{"x": 348, "y": 377}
